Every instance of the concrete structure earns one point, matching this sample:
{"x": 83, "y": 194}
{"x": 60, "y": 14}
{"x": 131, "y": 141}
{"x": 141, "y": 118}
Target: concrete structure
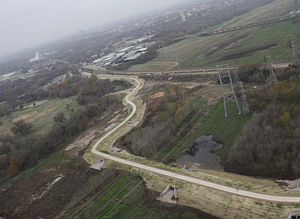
{"x": 98, "y": 165}
{"x": 294, "y": 215}
{"x": 289, "y": 184}
{"x": 169, "y": 195}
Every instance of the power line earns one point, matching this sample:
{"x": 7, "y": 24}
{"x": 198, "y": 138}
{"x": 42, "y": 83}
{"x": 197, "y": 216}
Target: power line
{"x": 160, "y": 151}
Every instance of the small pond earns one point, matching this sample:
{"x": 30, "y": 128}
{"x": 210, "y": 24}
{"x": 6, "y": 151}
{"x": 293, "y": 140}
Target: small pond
{"x": 200, "y": 153}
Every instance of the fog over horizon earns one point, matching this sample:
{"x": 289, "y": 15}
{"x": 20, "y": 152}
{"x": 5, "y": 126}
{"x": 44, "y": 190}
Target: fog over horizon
{"x": 31, "y": 23}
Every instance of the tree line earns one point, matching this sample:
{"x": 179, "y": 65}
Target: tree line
{"x": 270, "y": 143}
{"x": 23, "y": 149}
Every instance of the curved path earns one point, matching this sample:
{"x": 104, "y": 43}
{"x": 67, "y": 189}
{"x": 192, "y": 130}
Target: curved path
{"x": 189, "y": 179}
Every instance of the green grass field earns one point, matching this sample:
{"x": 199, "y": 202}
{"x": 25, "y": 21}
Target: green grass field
{"x": 152, "y": 66}
{"x": 224, "y": 129}
{"x": 125, "y": 198}
{"x": 192, "y": 52}
{"x": 42, "y": 119}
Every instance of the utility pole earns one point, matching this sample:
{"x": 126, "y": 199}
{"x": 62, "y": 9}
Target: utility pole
{"x": 224, "y": 77}
{"x": 162, "y": 51}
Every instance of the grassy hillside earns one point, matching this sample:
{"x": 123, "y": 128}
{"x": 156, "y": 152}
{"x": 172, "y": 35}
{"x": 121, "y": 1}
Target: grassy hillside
{"x": 274, "y": 9}
{"x": 239, "y": 47}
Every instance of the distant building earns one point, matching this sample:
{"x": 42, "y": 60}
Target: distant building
{"x": 36, "y": 58}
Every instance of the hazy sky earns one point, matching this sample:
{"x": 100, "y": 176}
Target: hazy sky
{"x": 24, "y": 24}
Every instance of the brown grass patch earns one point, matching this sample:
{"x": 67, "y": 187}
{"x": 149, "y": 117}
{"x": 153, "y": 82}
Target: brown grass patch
{"x": 25, "y": 116}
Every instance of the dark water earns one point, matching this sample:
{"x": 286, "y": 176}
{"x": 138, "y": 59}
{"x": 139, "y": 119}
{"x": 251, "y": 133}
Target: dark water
{"x": 200, "y": 153}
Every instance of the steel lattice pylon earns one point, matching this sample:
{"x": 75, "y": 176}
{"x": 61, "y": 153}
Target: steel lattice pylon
{"x": 272, "y": 79}
{"x": 162, "y": 51}
{"x": 227, "y": 96}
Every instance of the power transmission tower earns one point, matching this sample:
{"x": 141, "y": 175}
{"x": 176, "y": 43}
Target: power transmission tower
{"x": 272, "y": 79}
{"x": 246, "y": 109}
{"x": 239, "y": 87}
{"x": 294, "y": 51}
{"x": 227, "y": 96}
{"x": 162, "y": 51}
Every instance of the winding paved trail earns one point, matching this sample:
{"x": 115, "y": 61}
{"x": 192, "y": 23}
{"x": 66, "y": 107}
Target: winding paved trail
{"x": 188, "y": 179}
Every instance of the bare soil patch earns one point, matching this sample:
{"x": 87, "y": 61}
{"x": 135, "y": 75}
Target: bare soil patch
{"x": 246, "y": 52}
{"x": 82, "y": 142}
{"x": 25, "y": 116}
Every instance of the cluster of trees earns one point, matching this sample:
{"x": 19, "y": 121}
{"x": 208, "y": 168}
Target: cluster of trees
{"x": 16, "y": 93}
{"x": 92, "y": 89}
{"x": 270, "y": 143}
{"x": 255, "y": 73}
{"x": 259, "y": 73}
{"x": 21, "y": 91}
{"x": 15, "y": 65}
{"x": 23, "y": 149}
